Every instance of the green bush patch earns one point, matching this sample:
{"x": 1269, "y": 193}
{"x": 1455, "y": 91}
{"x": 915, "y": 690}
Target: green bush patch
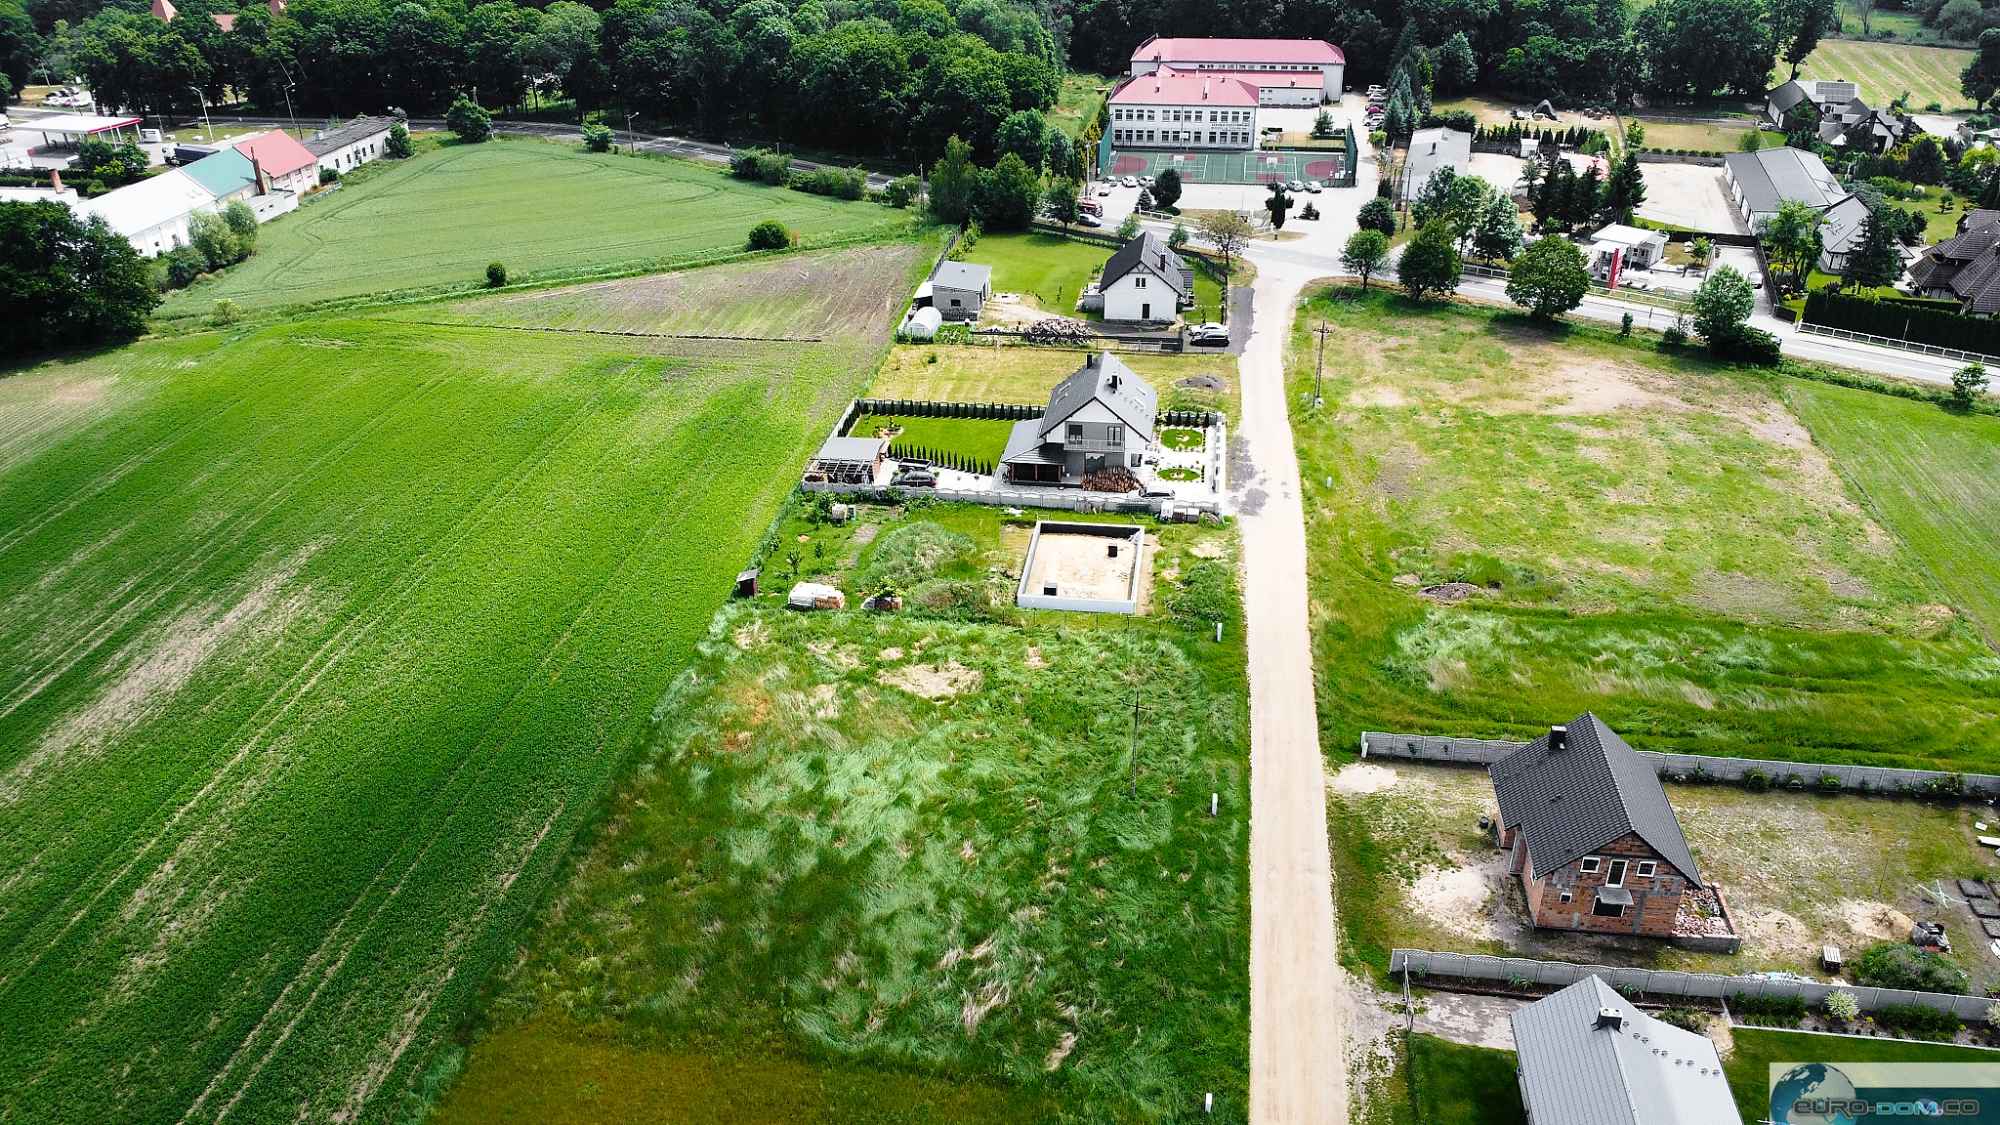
{"x": 1182, "y": 438}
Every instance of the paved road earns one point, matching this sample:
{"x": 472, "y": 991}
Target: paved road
{"x": 1298, "y": 998}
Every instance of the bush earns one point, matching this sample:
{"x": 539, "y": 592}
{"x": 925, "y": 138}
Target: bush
{"x": 398, "y": 144}
{"x": 496, "y": 275}
{"x": 1674, "y": 336}
{"x": 1687, "y": 1019}
{"x": 761, "y": 165}
{"x": 769, "y": 235}
{"x": 224, "y": 313}
{"x": 1903, "y": 320}
{"x": 184, "y": 264}
{"x": 1841, "y": 1006}
{"x": 1751, "y": 345}
{"x": 1897, "y": 964}
{"x": 210, "y": 234}
{"x": 921, "y": 552}
{"x": 1207, "y": 594}
{"x": 901, "y": 192}
{"x": 841, "y": 183}
{"x": 1770, "y": 1011}
{"x": 1756, "y": 781}
{"x": 1376, "y": 214}
{"x": 466, "y": 119}
{"x": 329, "y": 175}
{"x": 1917, "y": 1021}
{"x": 596, "y": 137}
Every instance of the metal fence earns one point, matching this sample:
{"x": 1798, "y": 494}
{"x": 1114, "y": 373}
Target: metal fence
{"x": 1428, "y": 966}
{"x": 1074, "y": 500}
{"x": 1823, "y": 777}
{"x": 1900, "y": 345}
{"x": 1636, "y": 296}
{"x": 1003, "y": 411}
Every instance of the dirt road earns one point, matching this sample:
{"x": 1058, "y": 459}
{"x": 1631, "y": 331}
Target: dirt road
{"x": 1298, "y": 1000}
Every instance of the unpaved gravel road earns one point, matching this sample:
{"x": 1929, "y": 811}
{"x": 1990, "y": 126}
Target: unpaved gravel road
{"x": 1299, "y": 998}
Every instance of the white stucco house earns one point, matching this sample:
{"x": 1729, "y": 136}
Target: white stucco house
{"x": 351, "y": 145}
{"x": 1169, "y": 108}
{"x": 1145, "y": 281}
{"x": 153, "y": 214}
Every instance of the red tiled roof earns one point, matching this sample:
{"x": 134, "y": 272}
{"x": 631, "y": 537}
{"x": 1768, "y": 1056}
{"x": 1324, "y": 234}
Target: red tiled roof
{"x": 276, "y": 153}
{"x": 1289, "y": 51}
{"x": 1304, "y": 79}
{"x": 225, "y": 20}
{"x": 1176, "y": 87}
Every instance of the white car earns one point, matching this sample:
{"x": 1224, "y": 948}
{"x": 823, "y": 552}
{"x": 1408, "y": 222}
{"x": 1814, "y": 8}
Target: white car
{"x": 4, "y": 123}
{"x": 71, "y": 98}
{"x": 1295, "y": 185}
{"x": 1313, "y": 186}
{"x": 1145, "y": 181}
{"x": 1209, "y": 335}
{"x": 1104, "y": 189}
{"x": 1086, "y": 219}
{"x": 1130, "y": 181}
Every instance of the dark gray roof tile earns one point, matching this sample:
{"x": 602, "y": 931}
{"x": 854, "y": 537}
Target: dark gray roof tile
{"x": 1594, "y": 789}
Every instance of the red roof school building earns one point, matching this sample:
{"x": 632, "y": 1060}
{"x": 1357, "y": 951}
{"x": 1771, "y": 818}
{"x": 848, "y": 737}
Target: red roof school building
{"x": 1286, "y": 72}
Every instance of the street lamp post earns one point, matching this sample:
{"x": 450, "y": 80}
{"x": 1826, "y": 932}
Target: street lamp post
{"x": 287, "y": 72}
{"x": 206, "y": 126}
{"x": 631, "y": 134}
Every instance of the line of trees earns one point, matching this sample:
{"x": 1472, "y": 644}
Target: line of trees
{"x": 882, "y": 76}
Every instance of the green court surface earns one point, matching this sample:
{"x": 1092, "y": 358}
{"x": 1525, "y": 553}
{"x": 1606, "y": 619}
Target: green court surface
{"x": 1227, "y": 167}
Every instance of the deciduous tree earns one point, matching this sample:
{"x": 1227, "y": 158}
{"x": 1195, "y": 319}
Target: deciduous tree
{"x": 1549, "y": 278}
{"x": 1430, "y": 265}
{"x": 1365, "y": 254}
{"x": 64, "y": 281}
{"x": 1722, "y": 307}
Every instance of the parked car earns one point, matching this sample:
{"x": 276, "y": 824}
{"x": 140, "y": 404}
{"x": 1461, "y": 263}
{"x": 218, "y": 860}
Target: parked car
{"x": 151, "y": 136}
{"x": 1295, "y": 185}
{"x": 4, "y": 123}
{"x": 69, "y": 97}
{"x": 1104, "y": 188}
{"x": 1130, "y": 181}
{"x": 1145, "y": 181}
{"x": 1314, "y": 186}
{"x": 1086, "y": 219}
{"x": 1090, "y": 207}
{"x": 917, "y": 478}
{"x": 1210, "y": 335}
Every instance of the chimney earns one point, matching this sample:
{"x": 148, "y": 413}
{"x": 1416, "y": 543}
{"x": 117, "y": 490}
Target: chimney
{"x": 1609, "y": 1019}
{"x": 1558, "y": 738}
{"x": 1090, "y": 359}
{"x": 55, "y": 180}
{"x": 1204, "y": 89}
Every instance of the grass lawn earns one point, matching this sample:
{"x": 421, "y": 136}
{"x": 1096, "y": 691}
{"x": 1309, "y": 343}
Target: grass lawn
{"x": 1885, "y": 70}
{"x": 1658, "y": 539}
{"x": 1928, "y": 476}
{"x": 545, "y": 210}
{"x": 1047, "y": 270}
{"x": 320, "y": 644}
{"x": 982, "y": 439}
{"x": 1723, "y": 134}
{"x": 1077, "y": 103}
{"x": 907, "y": 840}
{"x": 1444, "y": 1083}
{"x": 1749, "y": 1064}
{"x": 979, "y": 373}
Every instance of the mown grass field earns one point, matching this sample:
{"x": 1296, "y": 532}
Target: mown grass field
{"x": 1659, "y": 540}
{"x": 542, "y": 209}
{"x": 982, "y": 373}
{"x": 910, "y": 841}
{"x": 1885, "y": 70}
{"x": 1749, "y": 1064}
{"x": 319, "y": 644}
{"x": 1929, "y": 476}
{"x": 1049, "y": 271}
{"x": 981, "y": 439}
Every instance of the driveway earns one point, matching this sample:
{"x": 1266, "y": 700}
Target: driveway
{"x": 1299, "y": 1000}
{"x": 1689, "y": 195}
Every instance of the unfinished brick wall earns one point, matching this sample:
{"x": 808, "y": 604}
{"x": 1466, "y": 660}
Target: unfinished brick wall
{"x": 1656, "y": 898}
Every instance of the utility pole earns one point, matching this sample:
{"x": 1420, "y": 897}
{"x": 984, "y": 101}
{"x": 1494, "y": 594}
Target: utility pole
{"x": 1135, "y": 739}
{"x": 206, "y": 126}
{"x": 1319, "y": 365}
{"x": 631, "y": 134}
{"x": 286, "y": 71}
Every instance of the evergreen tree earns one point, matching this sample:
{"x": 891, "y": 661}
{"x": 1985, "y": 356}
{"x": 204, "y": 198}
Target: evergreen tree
{"x": 1625, "y": 190}
{"x": 1874, "y": 260}
{"x": 953, "y": 183}
{"x": 1585, "y": 192}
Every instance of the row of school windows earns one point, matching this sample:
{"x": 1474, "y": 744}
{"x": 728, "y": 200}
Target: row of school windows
{"x": 1189, "y": 136}
{"x": 1215, "y": 116}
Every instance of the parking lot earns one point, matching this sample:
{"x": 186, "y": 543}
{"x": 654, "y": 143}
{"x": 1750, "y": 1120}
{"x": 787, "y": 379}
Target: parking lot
{"x": 1689, "y": 195}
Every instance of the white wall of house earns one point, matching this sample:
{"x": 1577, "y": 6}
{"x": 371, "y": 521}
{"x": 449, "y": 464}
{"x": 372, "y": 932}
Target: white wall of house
{"x": 349, "y": 157}
{"x": 161, "y": 237}
{"x": 1184, "y": 126}
{"x": 957, "y": 304}
{"x": 1141, "y": 295}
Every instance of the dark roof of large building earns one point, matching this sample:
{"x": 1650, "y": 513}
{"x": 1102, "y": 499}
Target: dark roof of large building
{"x": 1967, "y": 264}
{"x": 1772, "y": 176}
{"x": 1786, "y": 96}
{"x": 1588, "y": 1057}
{"x": 359, "y": 129}
{"x": 1150, "y": 250}
{"x": 1104, "y": 378}
{"x": 1573, "y": 793}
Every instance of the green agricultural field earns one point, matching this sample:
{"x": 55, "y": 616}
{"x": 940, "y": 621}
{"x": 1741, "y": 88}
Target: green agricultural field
{"x": 1886, "y": 70}
{"x": 320, "y": 642}
{"x": 981, "y": 439}
{"x": 545, "y": 210}
{"x": 1655, "y": 539}
{"x": 1929, "y": 476}
{"x": 910, "y": 843}
{"x": 1748, "y": 1065}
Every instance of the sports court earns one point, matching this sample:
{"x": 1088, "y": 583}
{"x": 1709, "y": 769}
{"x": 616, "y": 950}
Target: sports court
{"x": 1228, "y": 167}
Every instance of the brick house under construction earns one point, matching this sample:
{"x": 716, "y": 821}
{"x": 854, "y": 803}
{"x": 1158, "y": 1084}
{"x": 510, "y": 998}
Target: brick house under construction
{"x": 1591, "y": 835}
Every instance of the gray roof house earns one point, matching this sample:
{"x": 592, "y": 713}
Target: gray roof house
{"x": 1591, "y": 835}
{"x": 1100, "y": 417}
{"x": 1145, "y": 281}
{"x": 1431, "y": 149}
{"x": 959, "y": 289}
{"x": 1587, "y": 1057}
{"x": 1760, "y": 181}
{"x": 346, "y": 147}
{"x": 1843, "y": 118}
{"x": 1965, "y": 267}
{"x": 1842, "y": 233}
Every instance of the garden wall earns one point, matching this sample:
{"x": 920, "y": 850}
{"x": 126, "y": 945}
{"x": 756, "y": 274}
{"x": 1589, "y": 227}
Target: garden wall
{"x": 1427, "y": 967}
{"x": 1826, "y": 778}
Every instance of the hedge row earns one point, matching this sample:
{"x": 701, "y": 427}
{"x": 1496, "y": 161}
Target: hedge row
{"x": 1896, "y": 320}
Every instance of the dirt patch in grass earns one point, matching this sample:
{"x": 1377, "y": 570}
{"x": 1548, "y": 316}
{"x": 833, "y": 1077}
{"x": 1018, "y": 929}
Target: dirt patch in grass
{"x": 1596, "y": 386}
{"x": 1458, "y": 897}
{"x": 933, "y": 681}
{"x": 1359, "y": 778}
